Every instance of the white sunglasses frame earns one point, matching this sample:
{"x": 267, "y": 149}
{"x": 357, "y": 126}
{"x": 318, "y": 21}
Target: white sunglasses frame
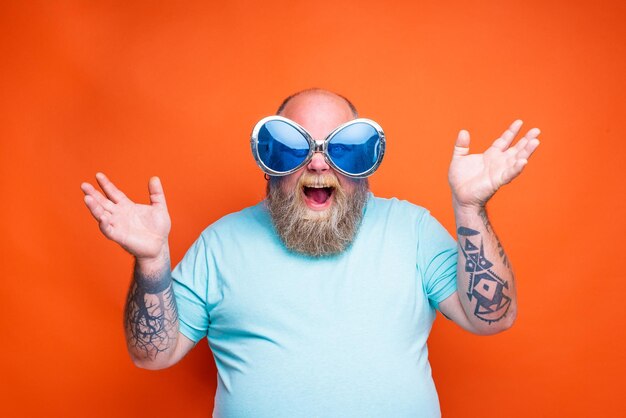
{"x": 316, "y": 146}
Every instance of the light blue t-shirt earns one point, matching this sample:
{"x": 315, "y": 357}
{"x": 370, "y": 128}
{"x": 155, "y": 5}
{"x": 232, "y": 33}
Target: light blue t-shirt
{"x": 341, "y": 336}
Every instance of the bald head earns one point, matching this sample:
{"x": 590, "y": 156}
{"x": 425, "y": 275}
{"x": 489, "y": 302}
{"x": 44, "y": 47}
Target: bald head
{"x": 285, "y": 102}
{"x": 318, "y": 111}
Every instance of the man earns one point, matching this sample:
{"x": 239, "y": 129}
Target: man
{"x": 318, "y": 301}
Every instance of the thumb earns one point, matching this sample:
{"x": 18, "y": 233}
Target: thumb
{"x": 157, "y": 197}
{"x": 461, "y": 147}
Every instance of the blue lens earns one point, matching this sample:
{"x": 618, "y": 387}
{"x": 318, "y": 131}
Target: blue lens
{"x": 281, "y": 147}
{"x": 355, "y": 149}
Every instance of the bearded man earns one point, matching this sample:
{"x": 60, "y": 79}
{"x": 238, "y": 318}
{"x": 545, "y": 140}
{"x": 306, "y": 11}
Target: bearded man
{"x": 318, "y": 301}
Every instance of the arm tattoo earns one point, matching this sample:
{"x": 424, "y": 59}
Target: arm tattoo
{"x": 489, "y": 228}
{"x": 151, "y": 314}
{"x": 505, "y": 259}
{"x": 483, "y": 216}
{"x": 484, "y": 285}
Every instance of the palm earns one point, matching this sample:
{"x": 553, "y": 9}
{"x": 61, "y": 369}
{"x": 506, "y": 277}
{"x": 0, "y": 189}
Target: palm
{"x": 141, "y": 230}
{"x": 475, "y": 178}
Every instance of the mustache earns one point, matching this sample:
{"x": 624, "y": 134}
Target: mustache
{"x": 318, "y": 180}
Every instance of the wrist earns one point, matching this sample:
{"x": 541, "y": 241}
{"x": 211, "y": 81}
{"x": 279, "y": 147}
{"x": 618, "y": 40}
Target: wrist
{"x": 150, "y": 266}
{"x": 467, "y": 209}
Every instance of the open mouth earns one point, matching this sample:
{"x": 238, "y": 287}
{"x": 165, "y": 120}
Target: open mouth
{"x": 318, "y": 196}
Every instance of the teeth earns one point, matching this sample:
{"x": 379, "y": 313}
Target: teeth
{"x": 317, "y": 186}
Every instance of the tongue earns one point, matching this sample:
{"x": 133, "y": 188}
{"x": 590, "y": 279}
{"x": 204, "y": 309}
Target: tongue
{"x": 317, "y": 195}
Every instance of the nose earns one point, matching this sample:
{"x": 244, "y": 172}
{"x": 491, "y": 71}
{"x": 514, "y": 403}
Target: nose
{"x": 318, "y": 163}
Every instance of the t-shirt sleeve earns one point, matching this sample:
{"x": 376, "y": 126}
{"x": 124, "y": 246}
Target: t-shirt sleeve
{"x": 437, "y": 259}
{"x": 190, "y": 290}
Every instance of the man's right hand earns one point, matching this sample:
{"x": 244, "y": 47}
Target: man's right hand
{"x": 142, "y": 230}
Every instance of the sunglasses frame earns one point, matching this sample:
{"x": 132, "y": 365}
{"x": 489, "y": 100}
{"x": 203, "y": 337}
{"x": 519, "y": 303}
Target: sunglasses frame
{"x": 316, "y": 145}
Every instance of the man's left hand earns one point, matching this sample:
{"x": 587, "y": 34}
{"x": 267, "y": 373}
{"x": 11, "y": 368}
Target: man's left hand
{"x": 475, "y": 178}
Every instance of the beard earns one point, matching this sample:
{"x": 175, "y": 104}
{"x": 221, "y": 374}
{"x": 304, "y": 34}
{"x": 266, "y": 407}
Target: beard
{"x": 317, "y": 233}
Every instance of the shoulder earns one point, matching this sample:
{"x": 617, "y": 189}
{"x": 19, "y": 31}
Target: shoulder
{"x": 394, "y": 218}
{"x": 395, "y": 208}
{"x": 248, "y": 222}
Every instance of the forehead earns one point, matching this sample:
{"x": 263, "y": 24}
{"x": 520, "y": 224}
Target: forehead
{"x": 318, "y": 112}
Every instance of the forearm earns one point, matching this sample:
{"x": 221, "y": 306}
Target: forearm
{"x": 151, "y": 315}
{"x": 485, "y": 280}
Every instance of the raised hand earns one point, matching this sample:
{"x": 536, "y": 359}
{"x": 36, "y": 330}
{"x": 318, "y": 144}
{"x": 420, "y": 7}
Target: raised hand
{"x": 142, "y": 230}
{"x": 474, "y": 178}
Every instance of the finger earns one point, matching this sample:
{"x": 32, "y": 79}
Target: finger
{"x": 461, "y": 147}
{"x": 105, "y": 226}
{"x": 514, "y": 171}
{"x": 96, "y": 209}
{"x": 156, "y": 191}
{"x": 102, "y": 216}
{"x": 109, "y": 188}
{"x": 507, "y": 136}
{"x": 533, "y": 133}
{"x": 528, "y": 150}
{"x": 522, "y": 143}
{"x": 89, "y": 190}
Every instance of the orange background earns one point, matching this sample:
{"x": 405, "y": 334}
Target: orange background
{"x": 148, "y": 88}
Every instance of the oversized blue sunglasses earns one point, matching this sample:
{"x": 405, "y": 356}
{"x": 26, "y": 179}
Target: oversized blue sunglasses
{"x": 280, "y": 146}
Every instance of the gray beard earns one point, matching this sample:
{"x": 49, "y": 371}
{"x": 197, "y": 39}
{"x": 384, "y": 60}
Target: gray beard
{"x": 316, "y": 234}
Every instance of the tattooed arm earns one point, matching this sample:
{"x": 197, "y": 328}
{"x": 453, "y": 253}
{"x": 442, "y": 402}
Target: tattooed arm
{"x": 151, "y": 318}
{"x": 485, "y": 302}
